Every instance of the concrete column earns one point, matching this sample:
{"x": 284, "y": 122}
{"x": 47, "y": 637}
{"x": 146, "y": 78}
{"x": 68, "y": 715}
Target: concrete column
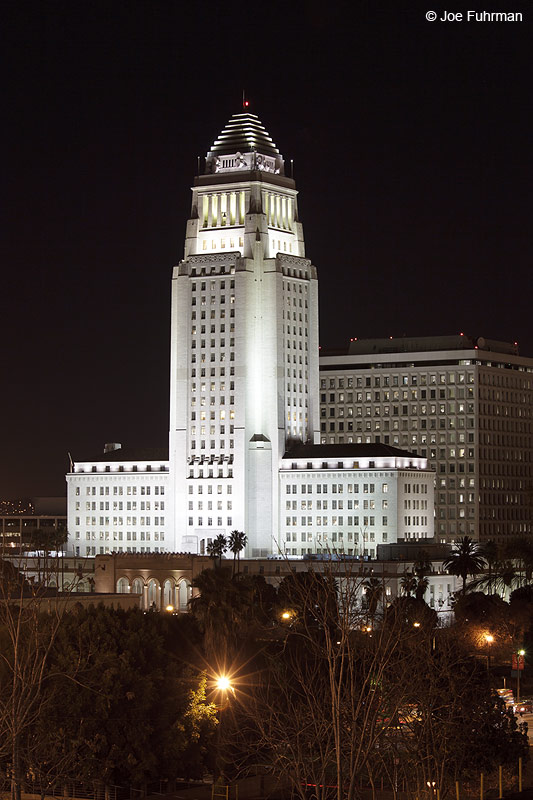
{"x": 145, "y": 597}
{"x": 228, "y": 209}
{"x": 209, "y": 211}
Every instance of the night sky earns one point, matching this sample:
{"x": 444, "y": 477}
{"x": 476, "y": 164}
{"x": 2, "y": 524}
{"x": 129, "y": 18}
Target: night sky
{"x": 411, "y": 143}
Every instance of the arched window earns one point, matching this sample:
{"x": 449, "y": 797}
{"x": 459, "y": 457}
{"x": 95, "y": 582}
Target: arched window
{"x": 123, "y": 586}
{"x": 168, "y": 593}
{"x": 137, "y": 586}
{"x": 184, "y": 595}
{"x": 153, "y": 594}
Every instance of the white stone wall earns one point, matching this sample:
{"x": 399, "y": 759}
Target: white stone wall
{"x": 124, "y": 510}
{"x": 258, "y": 219}
{"x": 349, "y": 510}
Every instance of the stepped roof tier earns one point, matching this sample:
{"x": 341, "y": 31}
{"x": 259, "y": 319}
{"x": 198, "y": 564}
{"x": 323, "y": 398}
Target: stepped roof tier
{"x": 244, "y": 143}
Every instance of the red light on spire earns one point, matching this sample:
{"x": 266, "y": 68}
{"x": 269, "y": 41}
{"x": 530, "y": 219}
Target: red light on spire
{"x": 246, "y": 104}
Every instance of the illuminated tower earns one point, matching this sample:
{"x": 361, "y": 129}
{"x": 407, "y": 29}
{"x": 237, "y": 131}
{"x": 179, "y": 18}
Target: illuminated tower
{"x": 244, "y": 344}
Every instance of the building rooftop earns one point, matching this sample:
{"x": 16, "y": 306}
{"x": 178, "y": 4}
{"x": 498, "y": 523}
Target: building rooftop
{"x": 244, "y": 133}
{"x": 127, "y": 454}
{"x": 421, "y": 344}
{"x": 418, "y": 344}
{"x": 352, "y": 451}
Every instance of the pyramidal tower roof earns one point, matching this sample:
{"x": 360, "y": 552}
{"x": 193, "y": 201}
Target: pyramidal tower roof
{"x": 244, "y": 133}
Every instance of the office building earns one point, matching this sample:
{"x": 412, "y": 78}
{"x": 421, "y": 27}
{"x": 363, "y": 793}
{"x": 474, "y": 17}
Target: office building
{"x": 465, "y": 404}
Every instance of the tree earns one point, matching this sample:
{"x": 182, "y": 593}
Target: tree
{"x": 521, "y": 550}
{"x": 217, "y": 548}
{"x": 421, "y": 568}
{"x": 227, "y": 609}
{"x": 330, "y": 691}
{"x": 456, "y": 726}
{"x": 47, "y": 543}
{"x": 373, "y": 592}
{"x": 490, "y": 553}
{"x": 334, "y": 706}
{"x": 237, "y": 542}
{"x": 408, "y": 583}
{"x": 130, "y": 709}
{"x": 465, "y": 559}
{"x": 27, "y": 638}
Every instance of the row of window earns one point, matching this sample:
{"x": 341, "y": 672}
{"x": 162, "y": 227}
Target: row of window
{"x": 93, "y": 551}
{"x": 220, "y": 244}
{"x": 212, "y": 430}
{"x": 366, "y": 505}
{"x": 119, "y": 521}
{"x": 118, "y": 505}
{"x": 351, "y": 521}
{"x": 213, "y": 285}
{"x": 213, "y": 300}
{"x": 119, "y": 536}
{"x": 413, "y": 379}
{"x": 333, "y": 536}
{"x": 119, "y": 490}
{"x": 397, "y": 395}
{"x": 203, "y": 472}
{"x": 337, "y": 488}
{"x": 209, "y": 505}
{"x": 211, "y": 489}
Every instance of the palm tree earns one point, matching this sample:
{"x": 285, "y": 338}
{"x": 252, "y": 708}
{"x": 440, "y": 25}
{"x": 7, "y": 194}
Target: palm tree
{"x": 216, "y": 609}
{"x": 490, "y": 554}
{"x": 237, "y": 542}
{"x": 373, "y": 592}
{"x": 421, "y": 567}
{"x": 217, "y": 548}
{"x": 521, "y": 550}
{"x": 501, "y": 580}
{"x": 465, "y": 559}
{"x": 408, "y": 584}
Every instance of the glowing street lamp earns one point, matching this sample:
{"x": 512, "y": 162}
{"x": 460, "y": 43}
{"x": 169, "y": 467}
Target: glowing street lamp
{"x": 223, "y": 683}
{"x": 519, "y": 666}
{"x": 489, "y": 638}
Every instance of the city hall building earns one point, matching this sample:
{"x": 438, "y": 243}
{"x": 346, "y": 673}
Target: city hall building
{"x": 245, "y": 425}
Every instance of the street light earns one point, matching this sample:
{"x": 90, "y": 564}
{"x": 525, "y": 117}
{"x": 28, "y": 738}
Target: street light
{"x": 223, "y": 683}
{"x": 489, "y": 638}
{"x": 519, "y": 663}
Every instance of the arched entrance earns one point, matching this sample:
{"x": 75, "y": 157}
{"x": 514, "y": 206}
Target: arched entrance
{"x": 168, "y": 593}
{"x": 154, "y": 596}
{"x": 184, "y": 595}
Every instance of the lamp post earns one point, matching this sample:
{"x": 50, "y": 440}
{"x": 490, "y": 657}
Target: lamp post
{"x": 223, "y": 685}
{"x": 489, "y": 638}
{"x": 519, "y": 668}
